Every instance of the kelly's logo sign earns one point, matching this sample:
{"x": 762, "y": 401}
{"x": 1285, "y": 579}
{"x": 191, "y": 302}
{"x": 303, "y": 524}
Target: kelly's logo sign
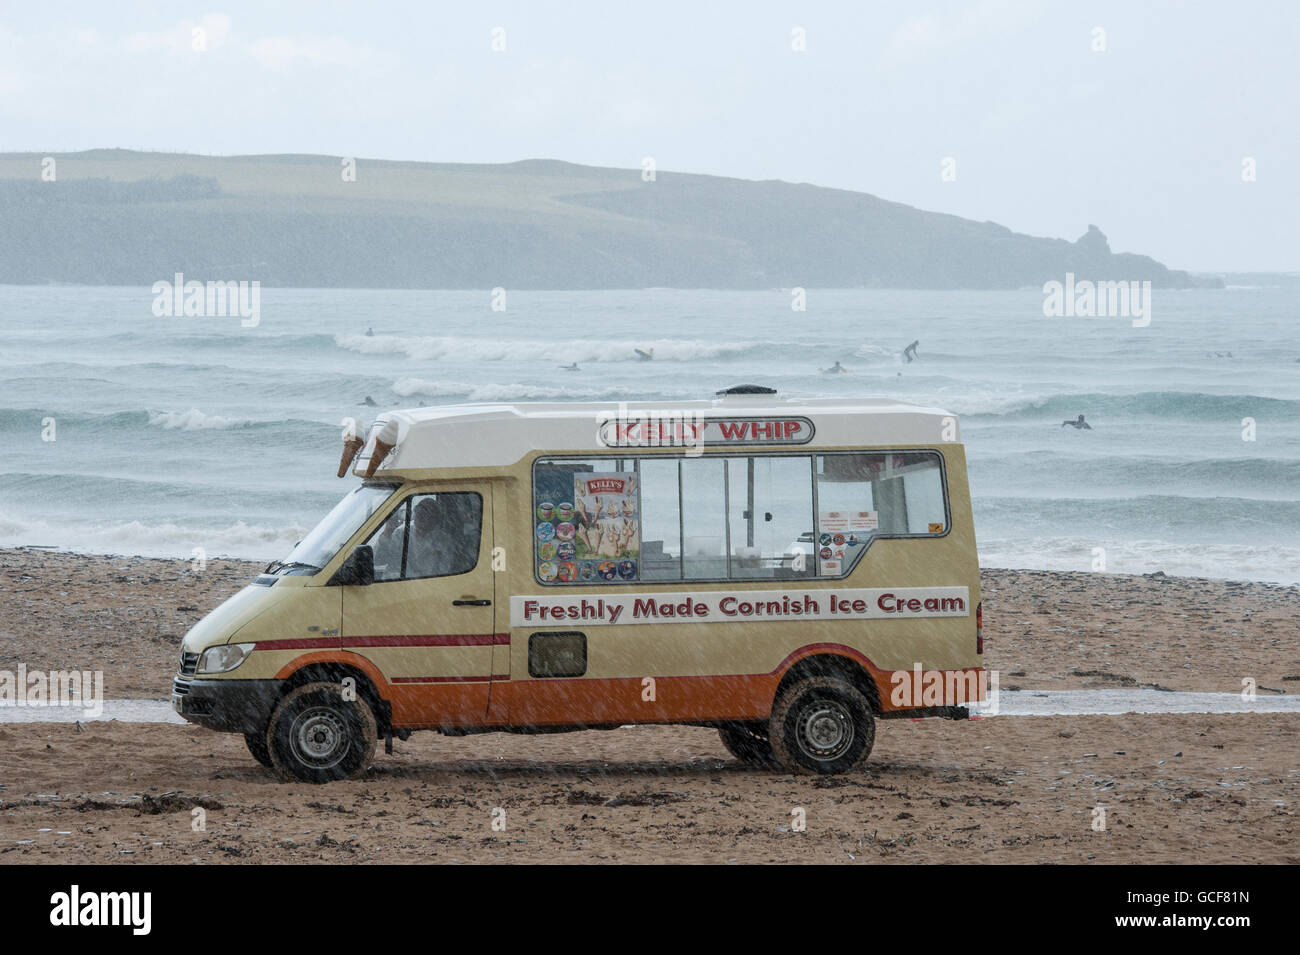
{"x": 690, "y": 429}
{"x": 605, "y": 485}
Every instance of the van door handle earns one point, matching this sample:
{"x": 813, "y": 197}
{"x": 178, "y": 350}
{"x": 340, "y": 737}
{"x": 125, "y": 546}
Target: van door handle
{"x": 471, "y": 602}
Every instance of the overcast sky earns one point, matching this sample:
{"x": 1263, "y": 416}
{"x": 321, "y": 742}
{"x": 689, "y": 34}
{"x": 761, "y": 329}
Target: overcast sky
{"x": 1145, "y": 138}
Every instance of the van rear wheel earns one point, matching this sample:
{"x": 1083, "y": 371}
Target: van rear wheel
{"x": 747, "y": 742}
{"x": 317, "y": 736}
{"x": 822, "y": 724}
{"x": 257, "y": 746}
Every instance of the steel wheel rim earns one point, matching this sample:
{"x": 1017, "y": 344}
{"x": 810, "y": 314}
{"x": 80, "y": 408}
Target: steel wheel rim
{"x": 825, "y": 730}
{"x": 319, "y": 737}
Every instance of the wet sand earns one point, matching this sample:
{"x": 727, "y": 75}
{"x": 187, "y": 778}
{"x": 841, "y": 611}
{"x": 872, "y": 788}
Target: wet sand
{"x": 1210, "y": 790}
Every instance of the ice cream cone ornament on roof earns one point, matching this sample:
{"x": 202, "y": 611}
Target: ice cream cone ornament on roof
{"x": 385, "y": 441}
{"x": 352, "y": 443}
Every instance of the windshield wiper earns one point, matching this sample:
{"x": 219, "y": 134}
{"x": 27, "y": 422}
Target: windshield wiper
{"x": 293, "y": 565}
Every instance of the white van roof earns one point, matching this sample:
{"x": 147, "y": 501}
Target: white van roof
{"x": 490, "y": 435}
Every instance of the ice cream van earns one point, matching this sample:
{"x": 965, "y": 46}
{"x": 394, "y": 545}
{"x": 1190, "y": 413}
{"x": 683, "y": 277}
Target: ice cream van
{"x": 787, "y": 571}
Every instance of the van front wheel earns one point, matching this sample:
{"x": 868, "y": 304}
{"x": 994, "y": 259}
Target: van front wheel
{"x": 823, "y": 725}
{"x": 257, "y": 746}
{"x": 317, "y": 736}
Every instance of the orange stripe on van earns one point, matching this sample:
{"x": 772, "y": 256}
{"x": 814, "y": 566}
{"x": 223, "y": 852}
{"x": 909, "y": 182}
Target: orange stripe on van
{"x": 446, "y": 704}
{"x": 678, "y": 698}
{"x": 738, "y": 696}
{"x": 558, "y": 702}
{"x": 618, "y": 699}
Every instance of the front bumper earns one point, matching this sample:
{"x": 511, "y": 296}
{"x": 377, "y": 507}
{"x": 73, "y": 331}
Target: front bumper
{"x": 231, "y": 706}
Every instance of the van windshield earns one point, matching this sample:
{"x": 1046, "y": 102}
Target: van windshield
{"x": 317, "y": 549}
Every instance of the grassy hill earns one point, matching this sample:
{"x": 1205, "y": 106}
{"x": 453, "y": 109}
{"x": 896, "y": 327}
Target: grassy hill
{"x": 117, "y": 217}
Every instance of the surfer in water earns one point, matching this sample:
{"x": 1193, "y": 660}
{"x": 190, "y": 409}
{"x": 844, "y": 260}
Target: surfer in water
{"x": 910, "y": 351}
{"x": 572, "y": 367}
{"x": 836, "y": 369}
{"x": 647, "y": 355}
{"x": 1078, "y": 424}
{"x": 370, "y": 332}
{"x": 370, "y": 402}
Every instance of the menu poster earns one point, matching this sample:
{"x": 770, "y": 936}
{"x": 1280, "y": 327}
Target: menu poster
{"x": 839, "y": 534}
{"x": 595, "y": 536}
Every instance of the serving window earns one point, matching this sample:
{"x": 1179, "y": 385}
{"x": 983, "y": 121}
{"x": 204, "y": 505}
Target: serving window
{"x": 864, "y": 495}
{"x": 727, "y": 517}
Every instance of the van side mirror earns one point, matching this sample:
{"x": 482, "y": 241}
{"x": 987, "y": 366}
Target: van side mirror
{"x": 358, "y": 570}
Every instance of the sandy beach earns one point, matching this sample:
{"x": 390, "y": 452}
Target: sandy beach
{"x": 1174, "y": 789}
{"x": 1212, "y": 789}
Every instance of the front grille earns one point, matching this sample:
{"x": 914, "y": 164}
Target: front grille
{"x": 189, "y": 661}
{"x": 180, "y": 687}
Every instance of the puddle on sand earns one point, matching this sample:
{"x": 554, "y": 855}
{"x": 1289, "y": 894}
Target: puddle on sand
{"x": 1114, "y": 702}
{"x": 127, "y": 711}
{"x": 1010, "y": 703}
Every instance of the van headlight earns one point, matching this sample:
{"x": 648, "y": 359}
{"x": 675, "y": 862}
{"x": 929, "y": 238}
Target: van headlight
{"x": 225, "y": 658}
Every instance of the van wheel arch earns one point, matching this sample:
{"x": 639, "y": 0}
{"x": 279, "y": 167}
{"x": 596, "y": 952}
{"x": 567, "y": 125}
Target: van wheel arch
{"x": 832, "y": 665}
{"x": 336, "y": 673}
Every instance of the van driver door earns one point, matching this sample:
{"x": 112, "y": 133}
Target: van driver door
{"x": 427, "y": 621}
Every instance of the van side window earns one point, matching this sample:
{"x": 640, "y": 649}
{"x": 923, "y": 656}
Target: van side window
{"x": 661, "y": 519}
{"x": 429, "y": 535}
{"x": 728, "y": 517}
{"x": 770, "y": 511}
{"x": 704, "y": 518}
{"x": 863, "y": 495}
{"x": 586, "y": 520}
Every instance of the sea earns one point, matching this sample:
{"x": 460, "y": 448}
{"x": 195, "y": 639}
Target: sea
{"x": 131, "y": 433}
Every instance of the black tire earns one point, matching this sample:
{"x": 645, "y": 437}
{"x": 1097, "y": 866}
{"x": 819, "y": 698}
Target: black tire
{"x": 822, "y": 724}
{"x": 747, "y": 742}
{"x": 257, "y": 746}
{"x": 317, "y": 736}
